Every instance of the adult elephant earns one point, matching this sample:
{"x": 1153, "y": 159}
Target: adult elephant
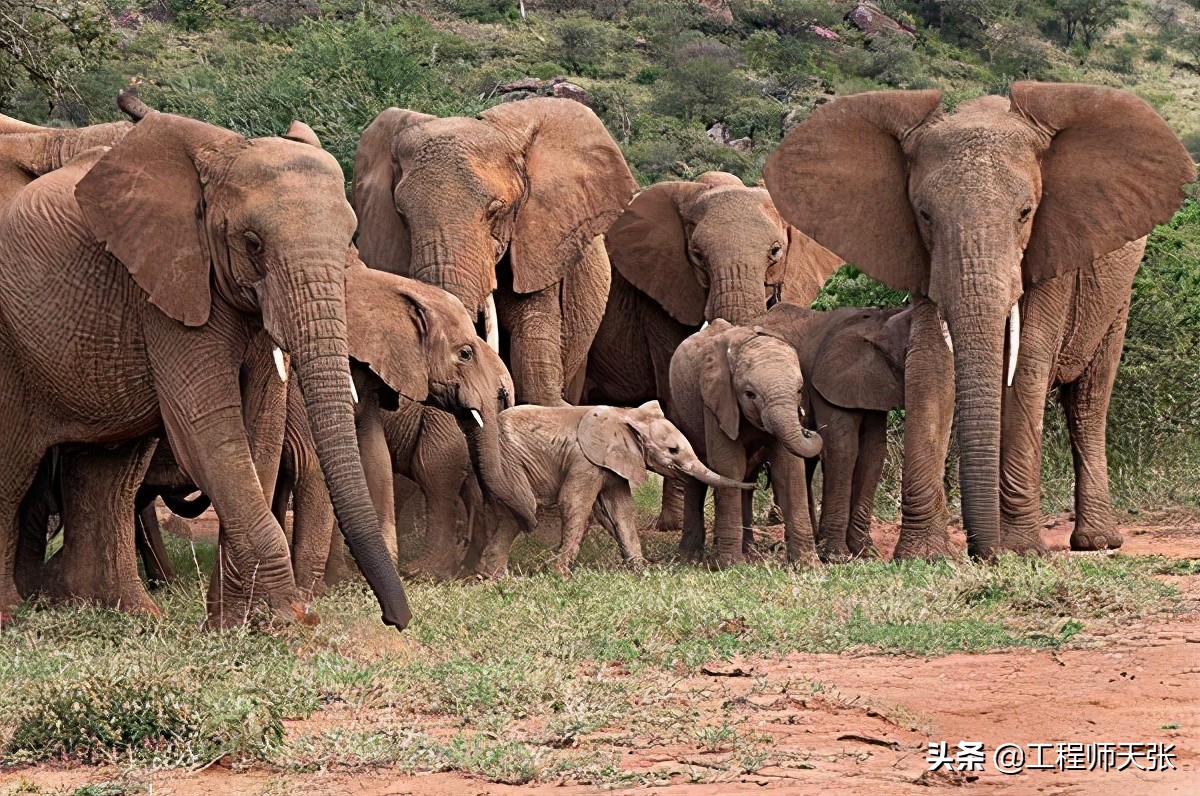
{"x": 682, "y": 254}
{"x": 505, "y": 211}
{"x": 1028, "y": 207}
{"x": 133, "y": 280}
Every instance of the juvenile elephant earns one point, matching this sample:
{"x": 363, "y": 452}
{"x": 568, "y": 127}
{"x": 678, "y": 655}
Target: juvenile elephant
{"x": 684, "y": 253}
{"x": 133, "y": 279}
{"x": 1029, "y": 208}
{"x": 410, "y": 343}
{"x": 737, "y": 396}
{"x": 584, "y": 459}
{"x": 853, "y": 365}
{"x": 505, "y": 211}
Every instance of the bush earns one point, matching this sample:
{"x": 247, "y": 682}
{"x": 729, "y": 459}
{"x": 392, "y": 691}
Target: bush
{"x": 580, "y": 43}
{"x": 701, "y": 83}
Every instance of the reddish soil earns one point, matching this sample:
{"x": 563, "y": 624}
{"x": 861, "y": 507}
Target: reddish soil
{"x": 868, "y": 731}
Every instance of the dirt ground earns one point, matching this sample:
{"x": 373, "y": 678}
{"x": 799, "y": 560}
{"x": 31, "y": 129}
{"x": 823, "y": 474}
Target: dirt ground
{"x": 869, "y": 730}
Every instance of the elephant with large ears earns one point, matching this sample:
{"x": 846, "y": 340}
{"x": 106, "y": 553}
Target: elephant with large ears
{"x": 737, "y": 399}
{"x": 675, "y": 266}
{"x": 1026, "y": 207}
{"x": 411, "y": 343}
{"x": 852, "y": 360}
{"x": 585, "y": 460}
{"x": 505, "y": 211}
{"x": 134, "y": 278}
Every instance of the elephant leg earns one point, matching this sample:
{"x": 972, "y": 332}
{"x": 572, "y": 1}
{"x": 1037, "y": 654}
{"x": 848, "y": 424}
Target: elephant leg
{"x": 840, "y": 431}
{"x": 670, "y": 515}
{"x": 535, "y": 327}
{"x": 810, "y": 469}
{"x": 748, "y": 517}
{"x": 584, "y": 298}
{"x": 476, "y": 523}
{"x": 377, "y": 467}
{"x": 929, "y": 410}
{"x": 441, "y": 463}
{"x": 150, "y": 548}
{"x": 1086, "y": 404}
{"x": 691, "y": 543}
{"x": 493, "y": 562}
{"x": 21, "y": 456}
{"x": 614, "y": 510}
{"x": 576, "y": 499}
{"x": 790, "y": 485}
{"x": 42, "y": 500}
{"x": 312, "y": 528}
{"x": 98, "y": 561}
{"x": 872, "y": 449}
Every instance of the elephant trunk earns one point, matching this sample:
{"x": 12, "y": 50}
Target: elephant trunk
{"x": 465, "y": 269}
{"x": 502, "y": 483}
{"x": 320, "y": 355}
{"x": 696, "y": 469}
{"x": 737, "y": 296}
{"x": 978, "y": 337}
{"x": 782, "y": 421}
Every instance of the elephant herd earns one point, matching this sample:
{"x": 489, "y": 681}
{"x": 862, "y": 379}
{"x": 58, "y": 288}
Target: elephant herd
{"x": 498, "y": 315}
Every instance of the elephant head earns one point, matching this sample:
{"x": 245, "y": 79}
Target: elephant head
{"x": 419, "y": 340}
{"x": 749, "y": 373}
{"x": 211, "y": 224}
{"x": 854, "y": 357}
{"x": 673, "y": 243}
{"x": 970, "y": 208}
{"x": 535, "y": 180}
{"x": 28, "y": 151}
{"x": 627, "y": 441}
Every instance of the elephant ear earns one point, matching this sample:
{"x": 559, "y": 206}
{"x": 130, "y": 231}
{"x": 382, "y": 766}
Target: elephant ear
{"x": 143, "y": 199}
{"x": 607, "y": 441}
{"x": 841, "y": 177}
{"x": 806, "y": 266}
{"x": 860, "y": 365}
{"x": 388, "y": 328}
{"x": 299, "y": 131}
{"x": 648, "y": 245}
{"x": 716, "y": 383}
{"x": 383, "y": 240}
{"x": 1113, "y": 170}
{"x": 578, "y": 185}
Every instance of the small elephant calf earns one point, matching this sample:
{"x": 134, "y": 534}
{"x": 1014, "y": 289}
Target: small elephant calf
{"x": 584, "y": 459}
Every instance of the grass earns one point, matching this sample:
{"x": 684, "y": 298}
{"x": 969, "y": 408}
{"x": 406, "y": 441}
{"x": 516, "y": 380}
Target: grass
{"x": 503, "y": 679}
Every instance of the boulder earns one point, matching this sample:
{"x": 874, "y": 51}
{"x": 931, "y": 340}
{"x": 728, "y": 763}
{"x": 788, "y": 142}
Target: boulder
{"x": 870, "y": 19}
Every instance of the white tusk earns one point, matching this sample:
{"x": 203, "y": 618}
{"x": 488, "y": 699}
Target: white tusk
{"x": 353, "y": 392}
{"x": 491, "y": 326}
{"x": 280, "y": 364}
{"x": 1014, "y": 341}
{"x": 946, "y": 337}
{"x": 478, "y": 418}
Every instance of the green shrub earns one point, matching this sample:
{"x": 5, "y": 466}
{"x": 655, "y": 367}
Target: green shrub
{"x": 701, "y": 83}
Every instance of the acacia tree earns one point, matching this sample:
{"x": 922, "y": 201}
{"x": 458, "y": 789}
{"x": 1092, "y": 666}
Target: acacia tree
{"x": 1089, "y": 19}
{"x": 45, "y": 44}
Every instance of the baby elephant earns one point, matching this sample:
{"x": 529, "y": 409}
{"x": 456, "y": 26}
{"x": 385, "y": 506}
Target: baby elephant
{"x": 584, "y": 459}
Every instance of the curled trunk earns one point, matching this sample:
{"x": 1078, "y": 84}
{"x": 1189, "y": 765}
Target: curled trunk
{"x": 782, "y": 421}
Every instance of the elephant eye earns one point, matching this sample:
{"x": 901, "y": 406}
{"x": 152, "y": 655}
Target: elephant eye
{"x": 673, "y": 450}
{"x": 925, "y": 216}
{"x": 254, "y": 244}
{"x": 466, "y": 353}
{"x": 750, "y": 394}
{"x": 776, "y": 250}
{"x": 1024, "y": 215}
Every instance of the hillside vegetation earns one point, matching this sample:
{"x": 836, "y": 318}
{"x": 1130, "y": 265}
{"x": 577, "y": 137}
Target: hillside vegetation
{"x": 685, "y": 86}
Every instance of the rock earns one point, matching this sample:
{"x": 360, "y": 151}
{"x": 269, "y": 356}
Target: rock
{"x": 824, "y": 33}
{"x": 718, "y": 133}
{"x": 718, "y": 10}
{"x": 741, "y": 145}
{"x": 870, "y": 19}
{"x": 534, "y": 87}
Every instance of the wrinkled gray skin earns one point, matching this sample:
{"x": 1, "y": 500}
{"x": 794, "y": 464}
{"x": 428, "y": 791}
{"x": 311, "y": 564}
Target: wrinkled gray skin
{"x": 1037, "y": 200}
{"x": 853, "y": 365}
{"x": 737, "y": 399}
{"x": 584, "y": 459}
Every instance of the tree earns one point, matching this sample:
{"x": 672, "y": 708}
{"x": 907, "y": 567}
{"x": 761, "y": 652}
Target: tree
{"x": 1090, "y": 19}
{"x": 46, "y": 43}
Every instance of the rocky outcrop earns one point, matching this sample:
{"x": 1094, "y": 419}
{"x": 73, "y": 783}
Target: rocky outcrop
{"x": 870, "y": 19}
{"x": 536, "y": 87}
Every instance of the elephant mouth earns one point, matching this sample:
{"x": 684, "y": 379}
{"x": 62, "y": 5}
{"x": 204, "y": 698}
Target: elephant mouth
{"x": 776, "y": 294}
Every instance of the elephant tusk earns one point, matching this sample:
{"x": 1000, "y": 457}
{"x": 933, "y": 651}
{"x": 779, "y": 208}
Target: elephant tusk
{"x": 1014, "y": 341}
{"x": 353, "y": 391}
{"x": 478, "y": 418}
{"x": 280, "y": 364}
{"x": 491, "y": 326}
{"x": 946, "y": 337}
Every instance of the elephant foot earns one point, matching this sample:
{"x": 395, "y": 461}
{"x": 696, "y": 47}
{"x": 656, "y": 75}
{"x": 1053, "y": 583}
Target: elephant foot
{"x": 691, "y": 554}
{"x": 429, "y": 569}
{"x": 238, "y": 612}
{"x": 727, "y": 560}
{"x": 925, "y": 545}
{"x": 834, "y": 552}
{"x": 669, "y": 522}
{"x": 129, "y": 598}
{"x": 636, "y": 564}
{"x": 1022, "y": 543}
{"x": 865, "y": 553}
{"x": 805, "y": 561}
{"x": 10, "y": 601}
{"x": 1096, "y": 539}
